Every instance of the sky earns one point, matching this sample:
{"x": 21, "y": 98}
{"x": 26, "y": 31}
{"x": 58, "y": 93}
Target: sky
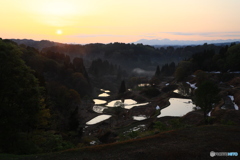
{"x": 127, "y": 21}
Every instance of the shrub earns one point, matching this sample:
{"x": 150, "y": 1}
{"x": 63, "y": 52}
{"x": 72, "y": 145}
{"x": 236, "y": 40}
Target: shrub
{"x": 227, "y": 122}
{"x": 133, "y": 134}
{"x": 160, "y": 126}
{"x": 176, "y": 123}
{"x": 47, "y": 141}
{"x": 150, "y": 92}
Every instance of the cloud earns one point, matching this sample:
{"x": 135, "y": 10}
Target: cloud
{"x": 96, "y": 35}
{"x": 223, "y": 34}
{"x": 233, "y": 35}
{"x": 164, "y": 36}
{"x": 180, "y": 33}
{"x": 151, "y": 36}
{"x": 112, "y": 35}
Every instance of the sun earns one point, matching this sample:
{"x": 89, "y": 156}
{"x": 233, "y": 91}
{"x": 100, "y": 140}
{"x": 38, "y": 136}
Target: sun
{"x": 59, "y": 32}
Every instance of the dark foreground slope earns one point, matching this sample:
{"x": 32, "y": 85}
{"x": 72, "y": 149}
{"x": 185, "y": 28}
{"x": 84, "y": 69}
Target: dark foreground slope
{"x": 188, "y": 143}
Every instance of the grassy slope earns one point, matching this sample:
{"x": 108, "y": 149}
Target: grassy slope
{"x": 188, "y": 143}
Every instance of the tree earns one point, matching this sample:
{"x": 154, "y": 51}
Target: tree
{"x": 183, "y": 70}
{"x": 20, "y": 96}
{"x": 79, "y": 67}
{"x": 233, "y": 56}
{"x": 19, "y": 89}
{"x": 122, "y": 88}
{"x": 206, "y": 95}
{"x": 172, "y": 68}
{"x": 201, "y": 76}
{"x": 157, "y": 73}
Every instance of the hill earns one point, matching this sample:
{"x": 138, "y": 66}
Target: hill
{"x": 66, "y": 102}
{"x": 41, "y": 94}
{"x": 36, "y": 44}
{"x": 127, "y": 56}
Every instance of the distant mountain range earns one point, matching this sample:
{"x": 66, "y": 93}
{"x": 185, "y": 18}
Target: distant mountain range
{"x": 154, "y": 42}
{"x": 167, "y": 42}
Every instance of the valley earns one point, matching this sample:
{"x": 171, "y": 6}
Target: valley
{"x": 109, "y": 104}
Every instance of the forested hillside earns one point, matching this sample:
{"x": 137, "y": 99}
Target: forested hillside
{"x": 41, "y": 93}
{"x": 224, "y": 61}
{"x": 127, "y": 56}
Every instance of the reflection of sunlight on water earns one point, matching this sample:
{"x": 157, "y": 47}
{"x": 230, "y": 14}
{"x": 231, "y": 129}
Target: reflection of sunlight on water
{"x": 111, "y": 104}
{"x": 135, "y": 105}
{"x": 98, "y": 119}
{"x": 140, "y": 117}
{"x": 99, "y": 101}
{"x": 177, "y": 107}
{"x": 176, "y": 91}
{"x": 128, "y": 103}
{"x": 106, "y": 91}
{"x": 98, "y": 109}
{"x": 144, "y": 85}
{"x": 103, "y": 95}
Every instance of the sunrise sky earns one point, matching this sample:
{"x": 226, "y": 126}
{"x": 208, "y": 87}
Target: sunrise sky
{"x": 105, "y": 21}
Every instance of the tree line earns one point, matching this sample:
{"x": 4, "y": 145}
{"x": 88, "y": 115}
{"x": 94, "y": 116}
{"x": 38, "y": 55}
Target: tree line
{"x": 128, "y": 56}
{"x": 225, "y": 60}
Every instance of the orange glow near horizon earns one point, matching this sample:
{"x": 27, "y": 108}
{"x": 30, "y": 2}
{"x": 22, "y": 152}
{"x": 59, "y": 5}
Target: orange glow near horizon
{"x": 78, "y": 21}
